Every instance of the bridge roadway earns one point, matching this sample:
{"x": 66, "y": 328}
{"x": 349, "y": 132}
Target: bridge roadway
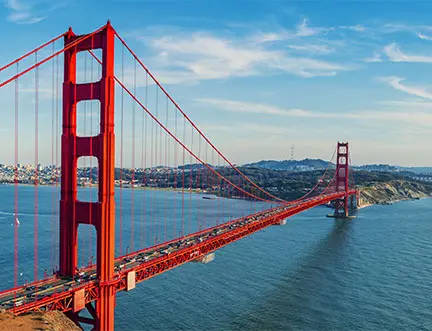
{"x": 57, "y": 293}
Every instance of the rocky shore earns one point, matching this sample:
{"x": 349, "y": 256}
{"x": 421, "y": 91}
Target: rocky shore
{"x": 392, "y": 191}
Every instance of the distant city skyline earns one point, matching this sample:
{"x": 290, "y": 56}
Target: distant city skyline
{"x": 259, "y": 77}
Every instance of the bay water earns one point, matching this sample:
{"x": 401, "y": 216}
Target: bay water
{"x": 314, "y": 273}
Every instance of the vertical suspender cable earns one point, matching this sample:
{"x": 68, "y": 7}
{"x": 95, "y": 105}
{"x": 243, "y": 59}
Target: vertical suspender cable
{"x": 16, "y": 179}
{"x": 167, "y": 173}
{"x": 86, "y": 243}
{"x": 53, "y": 192}
{"x": 211, "y": 179}
{"x": 75, "y": 142}
{"x": 57, "y": 149}
{"x": 156, "y": 175}
{"x": 143, "y": 210}
{"x": 153, "y": 218}
{"x": 206, "y": 184}
{"x": 121, "y": 157}
{"x": 161, "y": 164}
{"x": 190, "y": 184}
{"x": 175, "y": 167}
{"x": 36, "y": 179}
{"x": 199, "y": 204}
{"x": 91, "y": 153}
{"x": 183, "y": 178}
{"x": 220, "y": 193}
{"x": 132, "y": 239}
{"x": 145, "y": 179}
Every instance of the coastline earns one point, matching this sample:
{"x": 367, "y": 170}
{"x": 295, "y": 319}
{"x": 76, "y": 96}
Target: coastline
{"x": 385, "y": 193}
{"x": 127, "y": 187}
{"x": 365, "y": 205}
{"x": 390, "y": 202}
{"x": 116, "y": 186}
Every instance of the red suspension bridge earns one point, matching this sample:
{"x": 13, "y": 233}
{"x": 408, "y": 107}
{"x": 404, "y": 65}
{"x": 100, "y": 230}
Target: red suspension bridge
{"x": 154, "y": 144}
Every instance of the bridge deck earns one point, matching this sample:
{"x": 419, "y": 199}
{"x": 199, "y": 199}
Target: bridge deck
{"x": 59, "y": 293}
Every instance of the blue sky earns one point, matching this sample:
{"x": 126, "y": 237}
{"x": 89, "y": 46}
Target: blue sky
{"x": 260, "y": 76}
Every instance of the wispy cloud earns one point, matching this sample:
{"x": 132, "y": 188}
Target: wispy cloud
{"x": 230, "y": 127}
{"x": 400, "y": 27}
{"x": 312, "y": 49}
{"x": 357, "y": 27}
{"x": 415, "y": 104}
{"x": 198, "y": 56}
{"x": 396, "y": 55}
{"x": 257, "y": 108}
{"x": 302, "y": 30}
{"x": 402, "y": 114}
{"x": 22, "y": 13}
{"x": 396, "y": 83}
{"x": 30, "y": 12}
{"x": 424, "y": 37}
{"x": 414, "y": 117}
{"x": 305, "y": 30}
{"x": 376, "y": 57}
{"x": 245, "y": 49}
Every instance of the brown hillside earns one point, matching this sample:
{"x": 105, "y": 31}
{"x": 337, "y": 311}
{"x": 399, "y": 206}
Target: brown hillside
{"x": 50, "y": 321}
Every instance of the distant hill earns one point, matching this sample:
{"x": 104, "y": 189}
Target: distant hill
{"x": 377, "y": 167}
{"x": 417, "y": 170}
{"x": 318, "y": 164}
{"x": 291, "y": 165}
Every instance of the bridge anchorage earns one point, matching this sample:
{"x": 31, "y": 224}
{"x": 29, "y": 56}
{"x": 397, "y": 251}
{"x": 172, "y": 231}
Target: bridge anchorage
{"x": 87, "y": 294}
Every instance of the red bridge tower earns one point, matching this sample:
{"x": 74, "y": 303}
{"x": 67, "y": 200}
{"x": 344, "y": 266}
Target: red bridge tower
{"x": 342, "y": 175}
{"x": 99, "y": 214}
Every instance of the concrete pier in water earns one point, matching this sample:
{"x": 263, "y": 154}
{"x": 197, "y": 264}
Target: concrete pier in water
{"x": 205, "y": 259}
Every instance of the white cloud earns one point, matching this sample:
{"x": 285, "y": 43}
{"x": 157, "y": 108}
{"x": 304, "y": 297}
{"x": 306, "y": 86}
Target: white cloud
{"x": 22, "y": 13}
{"x": 396, "y": 83}
{"x": 202, "y": 56}
{"x": 262, "y": 37}
{"x": 245, "y": 50}
{"x": 401, "y": 115}
{"x": 257, "y": 108}
{"x": 357, "y": 27}
{"x": 415, "y": 104}
{"x": 405, "y": 116}
{"x": 396, "y": 55}
{"x": 397, "y": 27}
{"x": 392, "y": 129}
{"x": 313, "y": 48}
{"x": 246, "y": 127}
{"x": 376, "y": 57}
{"x": 306, "y": 67}
{"x": 304, "y": 30}
{"x": 424, "y": 37}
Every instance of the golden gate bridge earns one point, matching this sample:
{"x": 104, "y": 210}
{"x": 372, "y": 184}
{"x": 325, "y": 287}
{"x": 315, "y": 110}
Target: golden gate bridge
{"x": 152, "y": 134}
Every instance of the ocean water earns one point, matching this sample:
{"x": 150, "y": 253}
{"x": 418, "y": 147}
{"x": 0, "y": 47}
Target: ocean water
{"x": 315, "y": 273}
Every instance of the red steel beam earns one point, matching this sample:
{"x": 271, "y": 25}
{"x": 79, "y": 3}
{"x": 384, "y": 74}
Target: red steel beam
{"x": 64, "y": 301}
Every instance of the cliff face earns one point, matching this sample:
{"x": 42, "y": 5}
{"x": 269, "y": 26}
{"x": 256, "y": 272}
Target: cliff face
{"x": 382, "y": 193}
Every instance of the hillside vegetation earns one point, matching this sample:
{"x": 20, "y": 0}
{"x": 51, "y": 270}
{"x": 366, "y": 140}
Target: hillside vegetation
{"x": 286, "y": 184}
